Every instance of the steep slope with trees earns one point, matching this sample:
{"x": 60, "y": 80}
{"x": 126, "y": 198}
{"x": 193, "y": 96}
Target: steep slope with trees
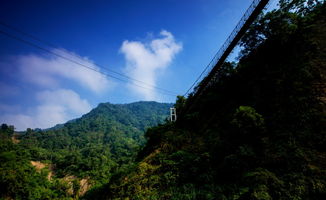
{"x": 258, "y": 132}
{"x": 85, "y": 150}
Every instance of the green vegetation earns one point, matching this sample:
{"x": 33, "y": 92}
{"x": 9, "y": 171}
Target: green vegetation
{"x": 258, "y": 132}
{"x": 18, "y": 178}
{"x": 86, "y": 151}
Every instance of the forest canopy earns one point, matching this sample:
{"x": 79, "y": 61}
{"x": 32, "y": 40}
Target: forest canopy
{"x": 257, "y": 132}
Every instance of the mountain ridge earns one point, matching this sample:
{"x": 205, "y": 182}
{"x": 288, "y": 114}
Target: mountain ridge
{"x": 60, "y": 125}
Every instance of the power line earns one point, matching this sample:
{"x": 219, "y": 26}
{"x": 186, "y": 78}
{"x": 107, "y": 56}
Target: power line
{"x": 79, "y": 57}
{"x": 166, "y": 92}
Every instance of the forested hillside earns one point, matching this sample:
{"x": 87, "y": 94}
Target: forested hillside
{"x": 66, "y": 161}
{"x": 258, "y": 132}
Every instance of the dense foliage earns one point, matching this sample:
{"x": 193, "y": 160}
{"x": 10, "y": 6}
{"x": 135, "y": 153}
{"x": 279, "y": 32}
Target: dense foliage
{"x": 85, "y": 150}
{"x": 258, "y": 132}
{"x": 18, "y": 178}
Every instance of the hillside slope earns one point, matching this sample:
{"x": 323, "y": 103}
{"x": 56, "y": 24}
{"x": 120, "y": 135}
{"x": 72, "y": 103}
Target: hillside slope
{"x": 87, "y": 150}
{"x": 117, "y": 129}
{"x": 258, "y": 132}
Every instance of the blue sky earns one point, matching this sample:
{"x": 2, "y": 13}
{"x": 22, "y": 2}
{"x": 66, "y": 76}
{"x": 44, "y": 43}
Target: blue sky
{"x": 166, "y": 43}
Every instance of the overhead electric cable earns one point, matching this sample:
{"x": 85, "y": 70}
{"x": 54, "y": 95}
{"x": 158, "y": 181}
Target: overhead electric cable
{"x": 79, "y": 57}
{"x": 78, "y": 63}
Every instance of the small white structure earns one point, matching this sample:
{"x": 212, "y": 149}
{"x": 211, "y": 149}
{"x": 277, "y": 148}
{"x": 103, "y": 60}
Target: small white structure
{"x": 173, "y": 114}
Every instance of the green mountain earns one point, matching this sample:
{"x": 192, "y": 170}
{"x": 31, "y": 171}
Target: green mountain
{"x": 257, "y": 132}
{"x": 88, "y": 149}
{"x": 100, "y": 125}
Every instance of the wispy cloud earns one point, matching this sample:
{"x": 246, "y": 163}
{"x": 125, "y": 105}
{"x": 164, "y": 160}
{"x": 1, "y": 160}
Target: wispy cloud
{"x": 45, "y": 71}
{"x": 55, "y": 106}
{"x": 45, "y": 83}
{"x": 145, "y": 59}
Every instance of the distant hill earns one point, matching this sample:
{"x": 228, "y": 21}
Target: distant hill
{"x": 65, "y": 161}
{"x": 113, "y": 132}
{"x": 258, "y": 131}
{"x": 142, "y": 114}
{"x": 139, "y": 115}
{"x": 129, "y": 120}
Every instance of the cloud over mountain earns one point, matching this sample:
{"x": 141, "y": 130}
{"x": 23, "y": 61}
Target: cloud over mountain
{"x": 50, "y": 82}
{"x": 144, "y": 60}
{"x": 46, "y": 71}
{"x": 55, "y": 106}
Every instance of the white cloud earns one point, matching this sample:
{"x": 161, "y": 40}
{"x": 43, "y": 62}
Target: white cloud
{"x": 68, "y": 98}
{"x": 56, "y": 106}
{"x": 50, "y": 74}
{"x": 46, "y": 71}
{"x": 144, "y": 60}
{"x": 20, "y": 121}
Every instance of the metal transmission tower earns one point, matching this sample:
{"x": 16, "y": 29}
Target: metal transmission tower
{"x": 250, "y": 15}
